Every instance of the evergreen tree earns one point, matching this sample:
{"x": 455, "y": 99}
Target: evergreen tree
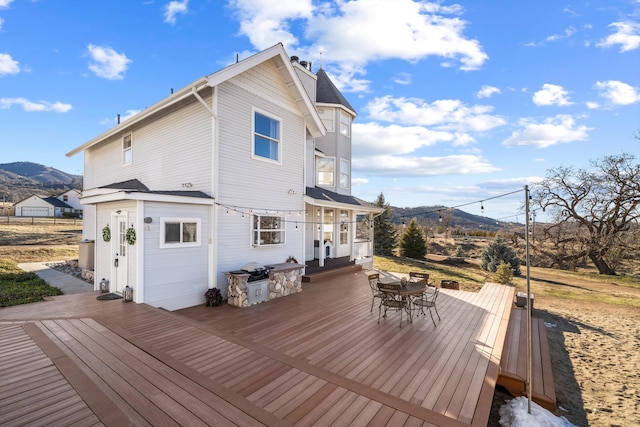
{"x": 412, "y": 243}
{"x": 384, "y": 233}
{"x": 498, "y": 252}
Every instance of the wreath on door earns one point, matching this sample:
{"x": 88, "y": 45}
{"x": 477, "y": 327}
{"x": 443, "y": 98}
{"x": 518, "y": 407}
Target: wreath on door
{"x": 130, "y": 235}
{"x": 106, "y": 233}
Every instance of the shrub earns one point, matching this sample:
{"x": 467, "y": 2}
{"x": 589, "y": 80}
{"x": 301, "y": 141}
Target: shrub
{"x": 503, "y": 274}
{"x": 497, "y": 252}
{"x": 20, "y": 287}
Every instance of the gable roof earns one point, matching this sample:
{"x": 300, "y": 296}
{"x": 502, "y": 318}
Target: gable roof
{"x": 276, "y": 52}
{"x": 328, "y": 93}
{"x": 55, "y": 202}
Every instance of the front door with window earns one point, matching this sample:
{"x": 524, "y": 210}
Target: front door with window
{"x": 119, "y": 251}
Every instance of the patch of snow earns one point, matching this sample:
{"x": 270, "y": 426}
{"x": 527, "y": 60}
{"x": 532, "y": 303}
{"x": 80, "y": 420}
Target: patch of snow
{"x": 515, "y": 414}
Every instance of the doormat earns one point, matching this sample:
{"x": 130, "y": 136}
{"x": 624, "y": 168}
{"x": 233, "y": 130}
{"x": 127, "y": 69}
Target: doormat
{"x": 106, "y": 297}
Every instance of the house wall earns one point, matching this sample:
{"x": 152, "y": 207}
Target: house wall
{"x": 168, "y": 151}
{"x": 73, "y": 199}
{"x": 252, "y": 183}
{"x": 175, "y": 277}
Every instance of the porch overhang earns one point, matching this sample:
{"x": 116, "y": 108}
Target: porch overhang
{"x": 93, "y": 197}
{"x": 320, "y": 197}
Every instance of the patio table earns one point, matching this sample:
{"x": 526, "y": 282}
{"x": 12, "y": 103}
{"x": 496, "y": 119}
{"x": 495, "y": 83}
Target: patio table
{"x": 408, "y": 291}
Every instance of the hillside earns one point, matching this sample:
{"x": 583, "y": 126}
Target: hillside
{"x": 451, "y": 218}
{"x": 19, "y": 180}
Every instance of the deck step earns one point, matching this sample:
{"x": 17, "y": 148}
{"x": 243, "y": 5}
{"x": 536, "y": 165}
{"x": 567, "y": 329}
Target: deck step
{"x": 513, "y": 364}
{"x": 323, "y": 274}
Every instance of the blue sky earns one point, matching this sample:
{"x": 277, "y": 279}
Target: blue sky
{"x": 457, "y": 102}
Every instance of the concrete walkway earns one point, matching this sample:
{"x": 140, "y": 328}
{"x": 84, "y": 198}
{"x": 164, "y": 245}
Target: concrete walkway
{"x": 66, "y": 282}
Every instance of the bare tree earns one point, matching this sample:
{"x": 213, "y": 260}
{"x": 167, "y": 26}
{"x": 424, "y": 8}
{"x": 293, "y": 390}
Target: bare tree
{"x": 600, "y": 205}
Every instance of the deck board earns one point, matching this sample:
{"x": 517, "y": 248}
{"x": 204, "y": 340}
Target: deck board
{"x": 308, "y": 359}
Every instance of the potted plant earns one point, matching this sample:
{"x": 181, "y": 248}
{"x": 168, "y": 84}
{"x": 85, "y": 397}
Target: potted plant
{"x": 213, "y": 297}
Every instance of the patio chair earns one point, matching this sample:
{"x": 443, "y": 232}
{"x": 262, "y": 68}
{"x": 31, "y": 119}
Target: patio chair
{"x": 391, "y": 299}
{"x": 375, "y": 292}
{"x": 419, "y": 277}
{"x": 428, "y": 301}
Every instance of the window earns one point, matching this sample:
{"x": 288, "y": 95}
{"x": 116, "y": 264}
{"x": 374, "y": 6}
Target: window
{"x": 179, "y": 232}
{"x": 345, "y": 123}
{"x": 126, "y": 150}
{"x": 344, "y": 227}
{"x": 266, "y": 138}
{"x": 327, "y": 232}
{"x": 344, "y": 173}
{"x": 65, "y": 197}
{"x": 325, "y": 166}
{"x": 326, "y": 115}
{"x": 267, "y": 230}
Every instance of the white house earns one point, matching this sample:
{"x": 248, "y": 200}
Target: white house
{"x": 251, "y": 163}
{"x": 72, "y": 198}
{"x": 41, "y": 206}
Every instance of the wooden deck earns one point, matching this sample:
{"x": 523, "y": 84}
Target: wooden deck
{"x": 315, "y": 358}
{"x": 513, "y": 363}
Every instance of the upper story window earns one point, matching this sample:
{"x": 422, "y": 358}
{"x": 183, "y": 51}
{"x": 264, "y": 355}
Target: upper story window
{"x": 345, "y": 124}
{"x": 266, "y": 137}
{"x": 179, "y": 232}
{"x": 325, "y": 167}
{"x": 326, "y": 115}
{"x": 127, "y": 155}
{"x": 345, "y": 173}
{"x": 267, "y": 230}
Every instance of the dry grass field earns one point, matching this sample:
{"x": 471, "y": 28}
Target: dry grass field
{"x": 43, "y": 240}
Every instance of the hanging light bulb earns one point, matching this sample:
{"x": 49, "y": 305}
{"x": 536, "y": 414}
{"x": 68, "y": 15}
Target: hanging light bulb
{"x": 439, "y": 217}
{"x": 481, "y": 207}
{"x": 296, "y": 225}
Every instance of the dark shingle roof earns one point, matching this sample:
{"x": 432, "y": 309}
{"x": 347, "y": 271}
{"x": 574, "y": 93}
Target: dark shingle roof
{"x": 136, "y": 185}
{"x": 324, "y": 195}
{"x": 328, "y": 93}
{"x": 56, "y": 202}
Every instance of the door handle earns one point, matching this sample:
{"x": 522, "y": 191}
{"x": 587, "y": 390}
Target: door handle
{"x": 115, "y": 262}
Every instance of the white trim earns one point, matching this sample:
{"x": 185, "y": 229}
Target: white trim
{"x": 117, "y": 195}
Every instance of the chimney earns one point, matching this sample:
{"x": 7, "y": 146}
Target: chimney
{"x": 294, "y": 59}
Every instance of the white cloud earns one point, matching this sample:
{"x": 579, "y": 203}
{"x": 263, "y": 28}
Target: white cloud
{"x": 5, "y": 3}
{"x": 29, "y": 106}
{"x": 487, "y": 91}
{"x": 359, "y": 181}
{"x": 8, "y": 65}
{"x": 409, "y": 30}
{"x": 373, "y": 139}
{"x": 107, "y": 63}
{"x": 592, "y": 105}
{"x": 174, "y": 8}
{"x": 618, "y": 93}
{"x": 552, "y": 95}
{"x": 403, "y": 79}
{"x": 567, "y": 33}
{"x": 444, "y": 114}
{"x": 1, "y": 22}
{"x": 627, "y": 35}
{"x": 554, "y": 130}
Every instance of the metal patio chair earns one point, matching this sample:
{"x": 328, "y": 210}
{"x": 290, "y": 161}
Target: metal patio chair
{"x": 374, "y": 278}
{"x": 391, "y": 299}
{"x": 428, "y": 301}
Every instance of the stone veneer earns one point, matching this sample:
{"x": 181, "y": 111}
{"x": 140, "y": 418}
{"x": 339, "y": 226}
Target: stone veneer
{"x": 284, "y": 279}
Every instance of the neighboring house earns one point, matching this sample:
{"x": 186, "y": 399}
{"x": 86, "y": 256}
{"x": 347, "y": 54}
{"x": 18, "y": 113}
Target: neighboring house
{"x": 42, "y": 206}
{"x": 221, "y": 173}
{"x": 72, "y": 198}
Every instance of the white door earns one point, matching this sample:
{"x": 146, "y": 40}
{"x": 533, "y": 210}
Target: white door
{"x": 119, "y": 250}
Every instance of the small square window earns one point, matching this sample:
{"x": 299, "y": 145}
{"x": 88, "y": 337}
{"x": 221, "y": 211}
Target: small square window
{"x": 179, "y": 232}
{"x": 345, "y": 124}
{"x": 268, "y": 230}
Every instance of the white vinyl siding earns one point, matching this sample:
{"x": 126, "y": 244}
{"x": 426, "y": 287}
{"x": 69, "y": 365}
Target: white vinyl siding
{"x": 174, "y": 148}
{"x": 175, "y": 277}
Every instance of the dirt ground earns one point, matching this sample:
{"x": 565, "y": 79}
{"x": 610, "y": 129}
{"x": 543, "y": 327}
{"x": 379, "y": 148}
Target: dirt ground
{"x": 595, "y": 351}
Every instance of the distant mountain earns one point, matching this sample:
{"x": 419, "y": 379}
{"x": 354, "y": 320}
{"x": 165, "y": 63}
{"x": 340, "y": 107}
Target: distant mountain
{"x": 453, "y": 218}
{"x": 19, "y": 180}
